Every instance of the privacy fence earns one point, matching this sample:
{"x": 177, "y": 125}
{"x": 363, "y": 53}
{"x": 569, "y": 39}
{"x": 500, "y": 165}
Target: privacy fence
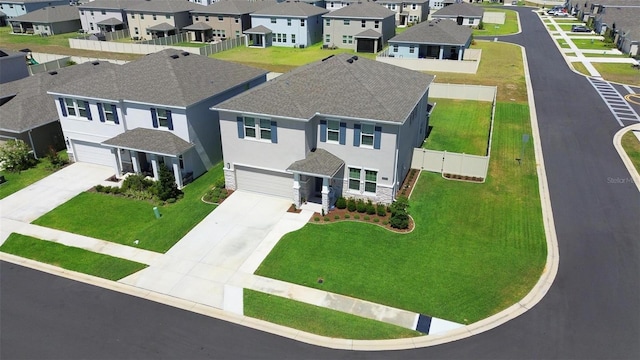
{"x": 51, "y": 62}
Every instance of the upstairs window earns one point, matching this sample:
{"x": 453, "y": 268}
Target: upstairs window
{"x": 259, "y": 129}
{"x": 346, "y": 22}
{"x": 162, "y": 118}
{"x": 366, "y": 136}
{"x": 301, "y": 22}
{"x": 274, "y": 20}
{"x": 363, "y": 23}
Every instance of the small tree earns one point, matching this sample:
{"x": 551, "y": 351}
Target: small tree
{"x": 166, "y": 188}
{"x": 399, "y": 215}
{"x": 55, "y": 159}
{"x": 15, "y": 156}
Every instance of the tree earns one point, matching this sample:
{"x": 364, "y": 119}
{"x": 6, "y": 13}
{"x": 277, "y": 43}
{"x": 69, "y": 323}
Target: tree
{"x": 166, "y": 188}
{"x": 15, "y": 156}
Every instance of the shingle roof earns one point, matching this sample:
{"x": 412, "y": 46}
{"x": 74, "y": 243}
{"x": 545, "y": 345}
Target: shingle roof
{"x": 234, "y": 7}
{"x": 150, "y": 140}
{"x": 50, "y": 14}
{"x": 197, "y": 26}
{"x": 161, "y": 27}
{"x": 110, "y": 21}
{"x": 402, "y": 1}
{"x": 365, "y": 10}
{"x": 24, "y": 1}
{"x": 443, "y": 32}
{"x": 292, "y": 9}
{"x": 369, "y": 34}
{"x": 163, "y": 6}
{"x": 107, "y": 4}
{"x": 160, "y": 79}
{"x": 32, "y": 106}
{"x": 318, "y": 162}
{"x": 624, "y": 18}
{"x": 460, "y": 9}
{"x": 364, "y": 89}
{"x": 260, "y": 29}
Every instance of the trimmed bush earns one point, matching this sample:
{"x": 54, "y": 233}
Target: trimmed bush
{"x": 381, "y": 210}
{"x": 399, "y": 220}
{"x": 337, "y": 217}
{"x": 341, "y": 203}
{"x": 371, "y": 209}
{"x": 361, "y": 206}
{"x": 356, "y": 216}
{"x": 326, "y": 218}
{"x": 351, "y": 204}
{"x": 99, "y": 188}
{"x": 136, "y": 182}
{"x": 366, "y": 218}
{"x": 376, "y": 220}
{"x": 347, "y": 216}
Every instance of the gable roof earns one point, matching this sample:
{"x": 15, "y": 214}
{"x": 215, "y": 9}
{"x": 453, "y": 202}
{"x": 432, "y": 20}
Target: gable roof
{"x": 443, "y": 32}
{"x": 234, "y": 7}
{"x": 150, "y": 140}
{"x": 50, "y": 14}
{"x": 260, "y": 29}
{"x": 623, "y": 17}
{"x": 318, "y": 162}
{"x": 197, "y": 26}
{"x": 110, "y": 21}
{"x": 460, "y": 9}
{"x": 107, "y": 4}
{"x": 25, "y": 1}
{"x": 361, "y": 89}
{"x": 31, "y": 106}
{"x": 291, "y": 9}
{"x": 368, "y": 34}
{"x": 402, "y": 1}
{"x": 366, "y": 10}
{"x": 163, "y": 6}
{"x": 168, "y": 77}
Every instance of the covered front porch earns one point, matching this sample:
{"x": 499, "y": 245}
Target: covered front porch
{"x": 143, "y": 151}
{"x": 313, "y": 179}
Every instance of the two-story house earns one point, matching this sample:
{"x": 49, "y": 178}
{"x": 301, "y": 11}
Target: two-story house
{"x": 364, "y": 27}
{"x": 224, "y": 19}
{"x": 286, "y": 24}
{"x": 13, "y": 8}
{"x": 150, "y": 112}
{"x": 462, "y": 13}
{"x": 342, "y": 126}
{"x": 407, "y": 11}
{"x": 339, "y": 4}
{"x": 150, "y": 19}
{"x": 104, "y": 15}
{"x": 50, "y": 20}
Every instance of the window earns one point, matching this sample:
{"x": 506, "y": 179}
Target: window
{"x": 273, "y": 20}
{"x": 168, "y": 17}
{"x": 327, "y": 22}
{"x": 354, "y": 179}
{"x": 237, "y": 33}
{"x": 108, "y": 112}
{"x": 293, "y": 38}
{"x": 333, "y": 130}
{"x": 77, "y": 108}
{"x": 327, "y": 38}
{"x": 350, "y": 39}
{"x": 414, "y": 6}
{"x": 301, "y": 22}
{"x": 363, "y": 23}
{"x": 206, "y": 18}
{"x": 370, "y": 179}
{"x": 142, "y": 16}
{"x": 395, "y": 48}
{"x": 91, "y": 12}
{"x": 344, "y": 39}
{"x": 136, "y": 31}
{"x": 197, "y": 18}
{"x": 262, "y": 129}
{"x": 346, "y": 22}
{"x": 376, "y": 24}
{"x": 10, "y": 6}
{"x": 249, "y": 127}
{"x": 220, "y": 18}
{"x": 91, "y": 26}
{"x": 237, "y": 20}
{"x": 366, "y": 135}
{"x": 412, "y": 49}
{"x": 163, "y": 119}
{"x": 288, "y": 22}
{"x": 81, "y": 11}
{"x": 393, "y": 6}
{"x": 133, "y": 16}
{"x": 265, "y": 129}
{"x": 70, "y": 106}
{"x": 104, "y": 12}
{"x": 154, "y": 17}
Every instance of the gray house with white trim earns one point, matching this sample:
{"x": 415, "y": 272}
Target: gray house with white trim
{"x": 363, "y": 27}
{"x": 342, "y": 126}
{"x": 462, "y": 13}
{"x": 49, "y": 20}
{"x": 150, "y": 112}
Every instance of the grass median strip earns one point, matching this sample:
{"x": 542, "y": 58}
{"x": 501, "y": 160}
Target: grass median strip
{"x": 319, "y": 320}
{"x": 70, "y": 258}
{"x": 631, "y": 146}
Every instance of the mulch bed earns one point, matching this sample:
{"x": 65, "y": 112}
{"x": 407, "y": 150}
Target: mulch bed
{"x": 337, "y": 215}
{"x": 463, "y": 178}
{"x": 409, "y": 182}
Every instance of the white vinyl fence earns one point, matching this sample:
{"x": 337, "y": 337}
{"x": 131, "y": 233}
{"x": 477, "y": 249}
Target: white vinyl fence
{"x": 50, "y": 62}
{"x": 469, "y": 65}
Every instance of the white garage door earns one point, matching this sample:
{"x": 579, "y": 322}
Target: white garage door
{"x": 265, "y": 182}
{"x": 92, "y": 153}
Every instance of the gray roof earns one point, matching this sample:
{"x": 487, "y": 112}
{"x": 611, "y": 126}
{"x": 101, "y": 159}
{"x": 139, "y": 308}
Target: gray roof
{"x": 260, "y": 29}
{"x": 442, "y": 32}
{"x": 617, "y": 2}
{"x": 460, "y": 9}
{"x": 402, "y": 1}
{"x": 318, "y": 162}
{"x": 362, "y": 89}
{"x": 624, "y": 18}
{"x": 107, "y": 4}
{"x": 198, "y": 26}
{"x": 32, "y": 106}
{"x": 361, "y": 11}
{"x": 234, "y": 7}
{"x": 163, "y": 6}
{"x": 150, "y": 140}
{"x": 368, "y": 34}
{"x": 50, "y": 14}
{"x": 291, "y": 9}
{"x": 2, "y": 14}
{"x": 161, "y": 27}
{"x": 110, "y": 21}
{"x": 25, "y": 1}
{"x": 160, "y": 79}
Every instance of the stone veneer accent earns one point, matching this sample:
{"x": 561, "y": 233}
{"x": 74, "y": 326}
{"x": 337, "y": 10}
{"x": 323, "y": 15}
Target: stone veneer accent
{"x": 384, "y": 195}
{"x": 230, "y": 179}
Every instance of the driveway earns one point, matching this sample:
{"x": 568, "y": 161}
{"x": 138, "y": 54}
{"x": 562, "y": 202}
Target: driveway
{"x": 45, "y": 195}
{"x": 198, "y": 266}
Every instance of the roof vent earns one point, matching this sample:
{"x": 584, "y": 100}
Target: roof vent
{"x": 174, "y": 56}
{"x": 350, "y": 60}
{"x": 328, "y": 57}
{"x": 185, "y": 53}
{"x": 95, "y": 62}
{"x": 53, "y": 73}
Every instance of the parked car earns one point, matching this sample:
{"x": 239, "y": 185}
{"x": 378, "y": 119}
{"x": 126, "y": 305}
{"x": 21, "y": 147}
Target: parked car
{"x": 560, "y": 13}
{"x": 554, "y": 9}
{"x": 580, "y": 28}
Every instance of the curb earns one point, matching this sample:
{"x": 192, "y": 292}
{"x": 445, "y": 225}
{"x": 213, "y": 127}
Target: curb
{"x": 617, "y": 143}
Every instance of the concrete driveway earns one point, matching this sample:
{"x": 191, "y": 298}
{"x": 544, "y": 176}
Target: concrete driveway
{"x": 224, "y": 244}
{"x": 45, "y": 195}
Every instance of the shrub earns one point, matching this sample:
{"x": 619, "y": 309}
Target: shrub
{"x": 337, "y": 217}
{"x": 326, "y": 218}
{"x": 351, "y": 204}
{"x": 347, "y": 216}
{"x": 99, "y": 188}
{"x": 171, "y": 200}
{"x": 138, "y": 194}
{"x": 219, "y": 183}
{"x": 361, "y": 206}
{"x": 341, "y": 203}
{"x": 166, "y": 187}
{"x": 15, "y": 156}
{"x": 371, "y": 209}
{"x": 356, "y": 216}
{"x": 136, "y": 182}
{"x": 376, "y": 220}
{"x": 399, "y": 220}
{"x": 54, "y": 158}
{"x": 401, "y": 204}
{"x": 381, "y": 210}
{"x": 366, "y": 218}
{"x": 316, "y": 218}
{"x": 385, "y": 223}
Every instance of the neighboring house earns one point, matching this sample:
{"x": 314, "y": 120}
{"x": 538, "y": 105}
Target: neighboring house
{"x": 50, "y": 20}
{"x": 104, "y": 15}
{"x": 205, "y": 2}
{"x": 3, "y": 19}
{"x": 363, "y": 27}
{"x": 13, "y": 66}
{"x": 407, "y": 11}
{"x": 13, "y": 8}
{"x": 461, "y": 13}
{"x": 28, "y": 113}
{"x": 439, "y": 4}
{"x": 150, "y": 112}
{"x": 152, "y": 19}
{"x": 223, "y": 19}
{"x": 435, "y": 39}
{"x": 287, "y": 24}
{"x": 342, "y": 126}
{"x": 622, "y": 25}
{"x": 339, "y": 4}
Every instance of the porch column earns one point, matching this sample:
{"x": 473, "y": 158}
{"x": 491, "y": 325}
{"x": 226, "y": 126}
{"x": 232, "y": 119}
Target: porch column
{"x": 296, "y": 190}
{"x": 135, "y": 162}
{"x": 176, "y": 172}
{"x": 441, "y": 52}
{"x": 460, "y": 52}
{"x": 154, "y": 166}
{"x": 118, "y": 164}
{"x": 325, "y": 195}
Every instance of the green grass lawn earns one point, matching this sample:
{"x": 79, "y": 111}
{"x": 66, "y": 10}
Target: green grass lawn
{"x": 189, "y": 44}
{"x": 123, "y": 220}
{"x": 281, "y": 59}
{"x": 476, "y": 248}
{"x": 631, "y": 145}
{"x": 510, "y": 25}
{"x": 318, "y": 320}
{"x": 622, "y": 73}
{"x": 592, "y": 44}
{"x": 606, "y": 55}
{"x": 6, "y": 37}
{"x": 70, "y": 258}
{"x": 18, "y": 181}
{"x": 579, "y": 67}
{"x": 460, "y": 126}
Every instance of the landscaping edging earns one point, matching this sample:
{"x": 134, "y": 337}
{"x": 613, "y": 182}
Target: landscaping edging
{"x": 412, "y": 223}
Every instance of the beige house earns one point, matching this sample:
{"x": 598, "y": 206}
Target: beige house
{"x": 223, "y": 19}
{"x": 364, "y": 27}
{"x": 159, "y": 18}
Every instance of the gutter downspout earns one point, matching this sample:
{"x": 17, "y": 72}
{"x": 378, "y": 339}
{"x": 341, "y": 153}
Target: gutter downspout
{"x": 32, "y": 146}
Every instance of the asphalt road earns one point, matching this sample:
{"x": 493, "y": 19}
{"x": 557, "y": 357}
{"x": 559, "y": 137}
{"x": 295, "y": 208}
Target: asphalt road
{"x": 592, "y": 311}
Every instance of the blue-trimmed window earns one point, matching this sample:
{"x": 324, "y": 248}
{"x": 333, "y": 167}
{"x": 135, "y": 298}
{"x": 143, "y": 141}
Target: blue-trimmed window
{"x": 260, "y": 129}
{"x": 161, "y": 118}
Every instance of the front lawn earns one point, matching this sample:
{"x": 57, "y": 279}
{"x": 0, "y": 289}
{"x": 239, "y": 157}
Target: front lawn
{"x": 18, "y": 181}
{"x": 6, "y": 37}
{"x": 621, "y": 73}
{"x": 319, "y": 320}
{"x": 70, "y": 258}
{"x": 460, "y": 126}
{"x": 476, "y": 249}
{"x": 593, "y": 44}
{"x": 631, "y": 146}
{"x": 123, "y": 220}
{"x": 509, "y": 27}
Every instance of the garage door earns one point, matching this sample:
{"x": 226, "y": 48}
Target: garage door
{"x": 92, "y": 153}
{"x": 265, "y": 182}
